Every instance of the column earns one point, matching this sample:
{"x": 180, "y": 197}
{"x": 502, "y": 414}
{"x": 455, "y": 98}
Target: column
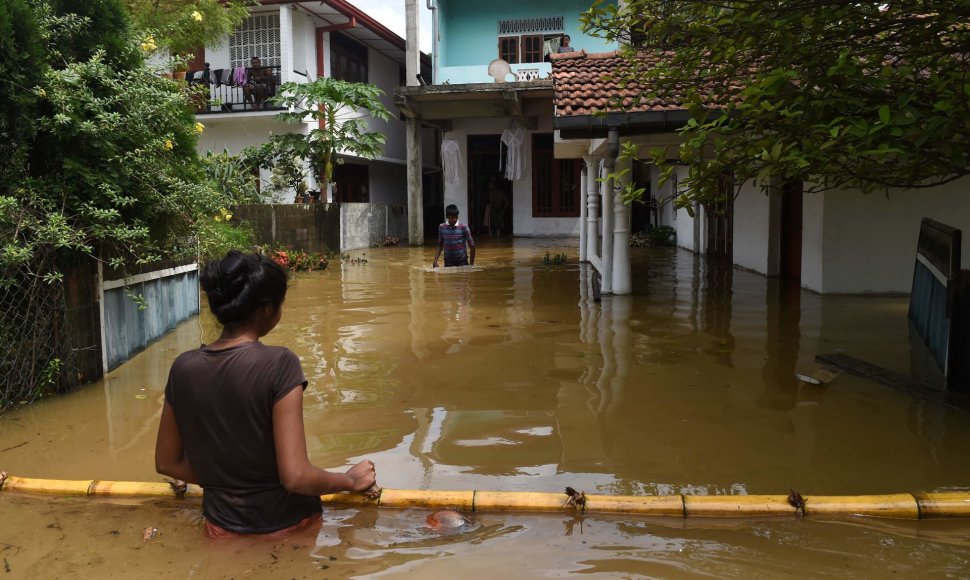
{"x": 592, "y": 208}
{"x": 622, "y": 277}
{"x": 606, "y": 264}
{"x": 582, "y": 211}
{"x": 415, "y": 191}
{"x": 413, "y": 130}
{"x": 286, "y": 43}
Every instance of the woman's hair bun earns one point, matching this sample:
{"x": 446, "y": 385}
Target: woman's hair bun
{"x": 240, "y": 284}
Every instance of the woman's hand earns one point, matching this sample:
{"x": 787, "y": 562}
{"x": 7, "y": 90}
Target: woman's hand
{"x": 364, "y": 475}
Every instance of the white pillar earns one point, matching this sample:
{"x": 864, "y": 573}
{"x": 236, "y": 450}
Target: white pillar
{"x": 582, "y": 212}
{"x": 606, "y": 191}
{"x": 622, "y": 276}
{"x": 592, "y": 208}
{"x": 286, "y": 43}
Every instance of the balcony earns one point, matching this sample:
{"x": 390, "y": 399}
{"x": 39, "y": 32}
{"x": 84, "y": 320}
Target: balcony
{"x": 225, "y": 91}
{"x": 463, "y": 75}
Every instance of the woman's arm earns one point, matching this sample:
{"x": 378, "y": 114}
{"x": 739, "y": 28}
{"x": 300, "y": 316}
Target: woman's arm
{"x": 297, "y": 474}
{"x": 170, "y": 457}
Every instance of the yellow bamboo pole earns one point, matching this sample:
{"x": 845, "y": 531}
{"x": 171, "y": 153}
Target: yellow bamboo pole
{"x": 903, "y": 505}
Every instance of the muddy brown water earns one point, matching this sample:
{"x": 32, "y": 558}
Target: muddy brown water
{"x": 511, "y": 377}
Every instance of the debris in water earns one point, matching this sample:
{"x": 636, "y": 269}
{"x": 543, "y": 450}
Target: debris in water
{"x": 576, "y": 499}
{"x": 179, "y": 487}
{"x": 373, "y": 492}
{"x": 796, "y": 501}
{"x": 446, "y": 520}
{"x": 149, "y": 534}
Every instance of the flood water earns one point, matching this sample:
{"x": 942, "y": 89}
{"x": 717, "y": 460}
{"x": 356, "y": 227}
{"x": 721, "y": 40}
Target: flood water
{"x": 510, "y": 378}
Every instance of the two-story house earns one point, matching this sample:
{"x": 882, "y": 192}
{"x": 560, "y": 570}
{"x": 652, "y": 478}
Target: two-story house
{"x": 490, "y": 95}
{"x": 290, "y": 41}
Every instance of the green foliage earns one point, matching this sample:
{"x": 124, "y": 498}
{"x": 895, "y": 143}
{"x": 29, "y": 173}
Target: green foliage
{"x": 297, "y": 260}
{"x": 99, "y": 151}
{"x": 556, "y": 260}
{"x": 335, "y": 103}
{"x": 662, "y": 236}
{"x": 855, "y": 95}
{"x": 181, "y": 26}
{"x": 233, "y": 177}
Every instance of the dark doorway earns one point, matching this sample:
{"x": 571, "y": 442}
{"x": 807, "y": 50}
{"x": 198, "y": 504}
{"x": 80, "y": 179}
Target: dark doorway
{"x": 644, "y": 214}
{"x": 790, "y": 267}
{"x": 484, "y": 169}
{"x": 353, "y": 183}
{"x": 720, "y": 221}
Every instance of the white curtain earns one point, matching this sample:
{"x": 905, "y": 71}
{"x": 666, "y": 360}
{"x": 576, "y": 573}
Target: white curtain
{"x": 451, "y": 161}
{"x": 513, "y": 138}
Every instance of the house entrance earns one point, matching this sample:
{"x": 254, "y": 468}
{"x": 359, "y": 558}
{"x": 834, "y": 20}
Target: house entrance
{"x": 720, "y": 221}
{"x": 485, "y": 172}
{"x": 790, "y": 267}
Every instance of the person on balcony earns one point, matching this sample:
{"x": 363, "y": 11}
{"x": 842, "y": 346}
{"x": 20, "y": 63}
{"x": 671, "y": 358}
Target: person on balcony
{"x": 259, "y": 83}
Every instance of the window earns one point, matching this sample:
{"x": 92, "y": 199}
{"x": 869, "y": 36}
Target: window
{"x": 508, "y": 49}
{"x": 258, "y": 35}
{"x": 528, "y": 40}
{"x": 348, "y": 59}
{"x": 556, "y": 183}
{"x": 532, "y": 48}
{"x": 353, "y": 183}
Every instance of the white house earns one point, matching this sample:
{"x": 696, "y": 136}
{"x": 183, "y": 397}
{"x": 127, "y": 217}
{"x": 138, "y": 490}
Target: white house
{"x": 298, "y": 42}
{"x": 491, "y": 87}
{"x": 830, "y": 242}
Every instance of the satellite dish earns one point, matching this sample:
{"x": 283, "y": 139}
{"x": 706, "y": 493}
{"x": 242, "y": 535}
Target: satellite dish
{"x": 499, "y": 70}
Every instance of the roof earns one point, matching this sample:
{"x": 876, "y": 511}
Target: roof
{"x": 583, "y": 85}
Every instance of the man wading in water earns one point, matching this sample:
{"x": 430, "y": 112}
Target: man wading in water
{"x": 452, "y": 237}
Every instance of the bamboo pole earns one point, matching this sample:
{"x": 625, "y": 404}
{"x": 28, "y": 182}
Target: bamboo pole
{"x": 899, "y": 506}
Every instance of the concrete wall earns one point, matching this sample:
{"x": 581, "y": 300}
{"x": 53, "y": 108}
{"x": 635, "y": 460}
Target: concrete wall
{"x": 751, "y": 229}
{"x": 128, "y": 330}
{"x": 364, "y": 225}
{"x": 469, "y": 36}
{"x": 388, "y": 183}
{"x": 813, "y": 250}
{"x": 870, "y": 240}
{"x": 309, "y": 227}
{"x": 523, "y": 224}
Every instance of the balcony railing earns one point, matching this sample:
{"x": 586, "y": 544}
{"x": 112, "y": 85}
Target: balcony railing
{"x": 232, "y": 91}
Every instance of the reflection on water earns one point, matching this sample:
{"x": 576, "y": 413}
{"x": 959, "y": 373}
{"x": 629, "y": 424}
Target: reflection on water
{"x": 513, "y": 377}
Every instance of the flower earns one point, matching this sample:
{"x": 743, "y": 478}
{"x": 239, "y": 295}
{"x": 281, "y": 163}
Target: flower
{"x": 148, "y": 44}
{"x": 169, "y": 145}
{"x": 199, "y": 127}
{"x": 196, "y": 16}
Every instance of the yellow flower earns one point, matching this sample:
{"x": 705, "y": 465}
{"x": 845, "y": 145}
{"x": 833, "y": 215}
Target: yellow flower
{"x": 148, "y": 44}
{"x": 224, "y": 215}
{"x": 41, "y": 92}
{"x": 197, "y": 16}
{"x": 169, "y": 145}
{"x": 199, "y": 127}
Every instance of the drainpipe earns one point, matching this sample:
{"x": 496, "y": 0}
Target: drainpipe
{"x": 609, "y": 210}
{"x": 433, "y": 7}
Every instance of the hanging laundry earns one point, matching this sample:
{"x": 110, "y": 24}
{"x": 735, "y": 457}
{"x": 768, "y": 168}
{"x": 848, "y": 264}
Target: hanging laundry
{"x": 513, "y": 138}
{"x": 451, "y": 161}
{"x": 239, "y": 76}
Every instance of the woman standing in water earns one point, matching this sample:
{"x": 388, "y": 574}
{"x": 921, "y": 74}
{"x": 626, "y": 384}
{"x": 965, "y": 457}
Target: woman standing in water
{"x": 233, "y": 415}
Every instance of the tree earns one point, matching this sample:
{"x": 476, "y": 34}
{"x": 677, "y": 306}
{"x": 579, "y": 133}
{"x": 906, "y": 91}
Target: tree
{"x": 336, "y": 108}
{"x": 181, "y": 26}
{"x": 100, "y": 152}
{"x": 854, "y": 95}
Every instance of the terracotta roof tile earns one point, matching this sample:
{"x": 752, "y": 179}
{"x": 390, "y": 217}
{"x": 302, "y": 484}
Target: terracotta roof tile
{"x": 583, "y": 85}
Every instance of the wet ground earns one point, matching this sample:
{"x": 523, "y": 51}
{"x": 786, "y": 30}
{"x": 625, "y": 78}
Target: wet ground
{"x": 511, "y": 377}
